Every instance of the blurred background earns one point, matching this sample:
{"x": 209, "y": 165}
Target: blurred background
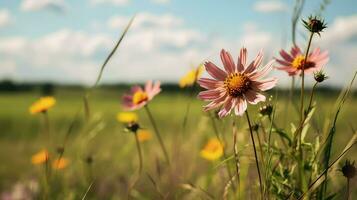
{"x": 65, "y": 42}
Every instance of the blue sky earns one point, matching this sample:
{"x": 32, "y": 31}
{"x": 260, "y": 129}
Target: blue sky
{"x": 67, "y": 40}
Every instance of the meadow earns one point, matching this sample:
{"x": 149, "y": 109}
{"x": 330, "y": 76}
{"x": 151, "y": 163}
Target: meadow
{"x": 113, "y": 165}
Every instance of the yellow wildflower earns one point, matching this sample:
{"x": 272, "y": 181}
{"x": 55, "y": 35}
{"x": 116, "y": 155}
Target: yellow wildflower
{"x": 60, "y": 163}
{"x": 42, "y": 105}
{"x": 212, "y": 150}
{"x": 144, "y": 135}
{"x": 191, "y": 77}
{"x": 127, "y": 117}
{"x": 40, "y": 157}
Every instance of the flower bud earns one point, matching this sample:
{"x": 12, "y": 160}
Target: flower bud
{"x": 320, "y": 76}
{"x": 132, "y": 127}
{"x": 266, "y": 110}
{"x": 349, "y": 169}
{"x": 315, "y": 25}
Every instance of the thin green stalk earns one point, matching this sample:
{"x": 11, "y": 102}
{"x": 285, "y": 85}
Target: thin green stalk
{"x": 255, "y": 153}
{"x": 311, "y": 97}
{"x": 217, "y": 133}
{"x": 348, "y": 189}
{"x": 302, "y": 114}
{"x": 158, "y": 135}
{"x": 138, "y": 148}
{"x": 46, "y": 124}
{"x": 234, "y": 131}
{"x": 261, "y": 148}
{"x": 140, "y": 155}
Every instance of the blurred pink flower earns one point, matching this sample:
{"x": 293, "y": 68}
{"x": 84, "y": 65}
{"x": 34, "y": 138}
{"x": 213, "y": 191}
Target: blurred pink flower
{"x": 236, "y": 85}
{"x": 292, "y": 63}
{"x": 139, "y": 97}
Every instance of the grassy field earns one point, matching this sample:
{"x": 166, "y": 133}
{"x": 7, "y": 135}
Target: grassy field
{"x": 113, "y": 151}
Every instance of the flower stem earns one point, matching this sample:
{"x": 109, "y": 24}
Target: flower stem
{"x": 255, "y": 153}
{"x": 236, "y": 158}
{"x": 348, "y": 189}
{"x": 139, "y": 153}
{"x": 311, "y": 96}
{"x": 157, "y": 134}
{"x": 302, "y": 117}
{"x": 222, "y": 141}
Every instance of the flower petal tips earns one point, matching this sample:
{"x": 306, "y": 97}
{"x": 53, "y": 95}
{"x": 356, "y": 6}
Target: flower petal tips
{"x": 236, "y": 85}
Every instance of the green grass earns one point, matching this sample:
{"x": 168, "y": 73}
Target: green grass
{"x": 114, "y": 153}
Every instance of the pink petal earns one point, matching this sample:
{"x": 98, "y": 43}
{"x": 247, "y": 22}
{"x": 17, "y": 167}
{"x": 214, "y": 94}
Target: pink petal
{"x": 210, "y": 94}
{"x": 208, "y": 83}
{"x": 283, "y": 62}
{"x": 264, "y": 84}
{"x": 286, "y": 56}
{"x": 254, "y": 97}
{"x": 135, "y": 89}
{"x": 255, "y": 63}
{"x": 148, "y": 86}
{"x": 216, "y": 103}
{"x": 215, "y": 72}
{"x": 263, "y": 72}
{"x": 226, "y": 108}
{"x": 240, "y": 107}
{"x": 227, "y": 61}
{"x": 295, "y": 51}
{"x": 242, "y": 59}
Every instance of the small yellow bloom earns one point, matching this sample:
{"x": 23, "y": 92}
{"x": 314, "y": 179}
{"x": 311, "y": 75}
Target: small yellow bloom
{"x": 191, "y": 77}
{"x": 144, "y": 135}
{"x": 42, "y": 105}
{"x": 212, "y": 150}
{"x": 60, "y": 163}
{"x": 127, "y": 117}
{"x": 40, "y": 157}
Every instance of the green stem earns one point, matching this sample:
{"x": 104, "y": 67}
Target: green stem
{"x": 311, "y": 97}
{"x": 255, "y": 153}
{"x": 217, "y": 133}
{"x": 235, "y": 151}
{"x": 302, "y": 118}
{"x": 157, "y": 134}
{"x": 348, "y": 189}
{"x": 139, "y": 153}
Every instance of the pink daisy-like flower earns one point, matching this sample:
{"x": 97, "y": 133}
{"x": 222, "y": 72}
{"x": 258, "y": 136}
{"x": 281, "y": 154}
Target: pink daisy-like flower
{"x": 139, "y": 97}
{"x": 292, "y": 63}
{"x": 238, "y": 84}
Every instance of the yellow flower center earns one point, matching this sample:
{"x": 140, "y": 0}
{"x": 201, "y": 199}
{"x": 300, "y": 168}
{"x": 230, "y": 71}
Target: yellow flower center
{"x": 298, "y": 63}
{"x": 236, "y": 84}
{"x": 140, "y": 97}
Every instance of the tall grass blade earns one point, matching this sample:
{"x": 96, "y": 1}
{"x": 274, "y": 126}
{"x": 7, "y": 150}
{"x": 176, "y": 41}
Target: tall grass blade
{"x": 112, "y": 52}
{"x": 330, "y": 136}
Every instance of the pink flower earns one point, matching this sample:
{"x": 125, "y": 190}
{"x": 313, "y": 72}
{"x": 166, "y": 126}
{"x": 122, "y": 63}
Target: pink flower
{"x": 292, "y": 63}
{"x": 138, "y": 97}
{"x": 236, "y": 85}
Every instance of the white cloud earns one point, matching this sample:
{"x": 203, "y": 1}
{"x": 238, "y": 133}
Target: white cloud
{"x": 268, "y": 6}
{"x": 112, "y": 2}
{"x": 36, "y": 5}
{"x": 157, "y": 47}
{"x": 146, "y": 20}
{"x": 161, "y": 1}
{"x": 340, "y": 39}
{"x": 5, "y": 18}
